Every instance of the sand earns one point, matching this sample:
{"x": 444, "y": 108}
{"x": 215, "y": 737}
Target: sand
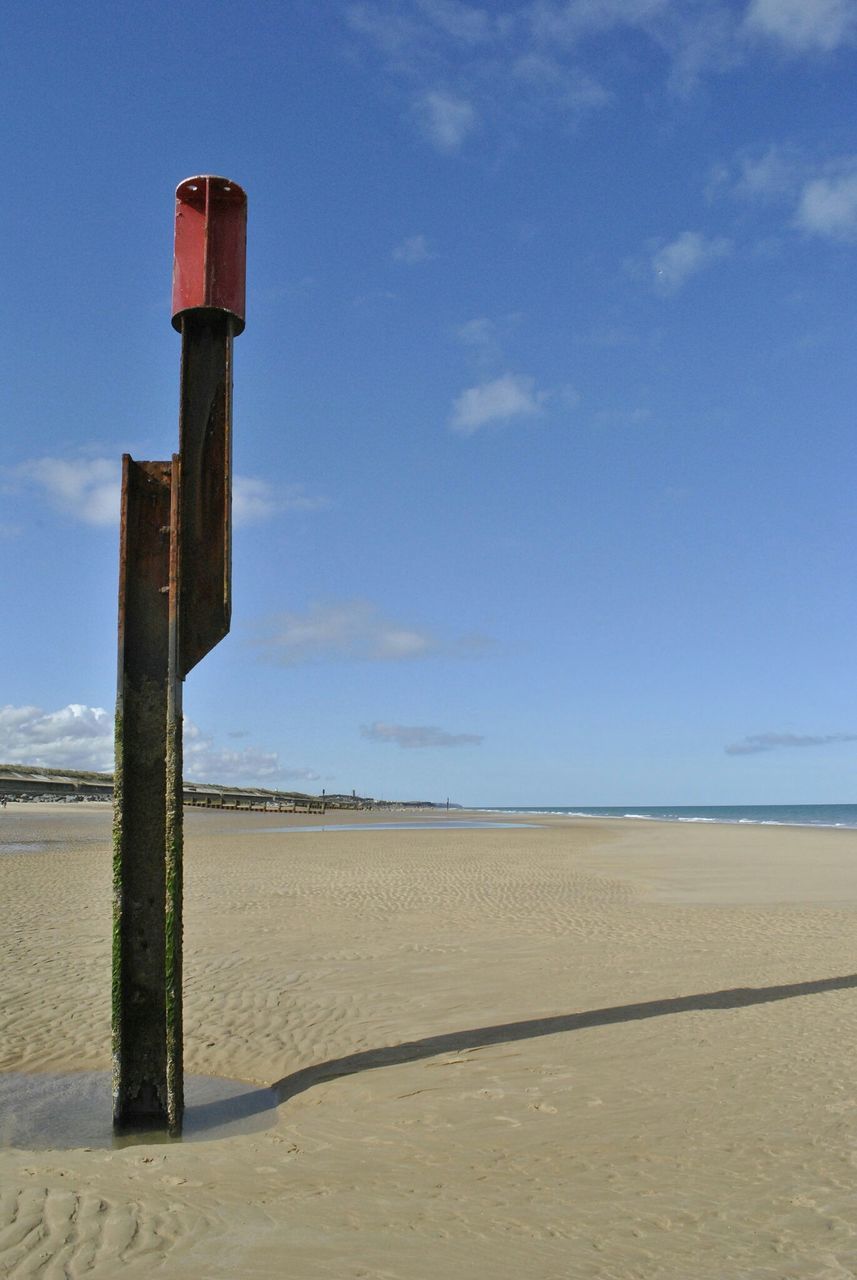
{"x": 593, "y": 1049}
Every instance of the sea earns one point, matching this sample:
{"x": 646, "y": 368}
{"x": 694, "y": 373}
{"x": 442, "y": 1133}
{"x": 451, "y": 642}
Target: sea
{"x": 766, "y": 815}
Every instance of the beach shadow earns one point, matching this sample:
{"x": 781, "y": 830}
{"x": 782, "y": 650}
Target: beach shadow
{"x": 532, "y": 1028}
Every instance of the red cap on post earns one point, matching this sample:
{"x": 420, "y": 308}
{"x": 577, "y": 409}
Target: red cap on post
{"x": 209, "y": 265}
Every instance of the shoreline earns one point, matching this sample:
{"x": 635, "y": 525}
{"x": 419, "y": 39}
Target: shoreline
{"x": 669, "y": 815}
{"x": 375, "y": 814}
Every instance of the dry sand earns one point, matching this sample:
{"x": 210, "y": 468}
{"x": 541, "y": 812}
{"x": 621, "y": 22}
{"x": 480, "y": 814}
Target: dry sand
{"x": 592, "y": 1049}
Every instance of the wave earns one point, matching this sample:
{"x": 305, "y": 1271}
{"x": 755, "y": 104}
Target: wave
{"x": 832, "y": 816}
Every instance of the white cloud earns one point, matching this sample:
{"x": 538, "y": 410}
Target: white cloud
{"x": 769, "y": 175}
{"x": 254, "y": 500}
{"x": 828, "y": 205}
{"x": 512, "y": 66}
{"x": 804, "y": 25}
{"x": 481, "y": 340}
{"x": 479, "y": 332}
{"x": 74, "y": 737}
{"x": 463, "y": 65}
{"x": 412, "y": 249}
{"x": 205, "y": 762}
{"x": 446, "y": 119}
{"x": 695, "y": 37}
{"x": 81, "y": 737}
{"x": 87, "y": 489}
{"x": 683, "y": 257}
{"x": 484, "y": 339}
{"x": 351, "y": 630}
{"x": 356, "y": 631}
{"x": 823, "y": 194}
{"x": 510, "y": 396}
{"x": 418, "y": 736}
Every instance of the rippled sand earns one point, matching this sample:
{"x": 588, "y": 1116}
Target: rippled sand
{"x": 594, "y": 1049}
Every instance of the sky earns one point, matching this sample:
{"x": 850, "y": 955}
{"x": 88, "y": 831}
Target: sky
{"x": 544, "y": 411}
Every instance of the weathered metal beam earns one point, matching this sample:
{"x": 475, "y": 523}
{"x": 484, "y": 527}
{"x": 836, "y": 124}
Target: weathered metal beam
{"x": 174, "y": 606}
{"x": 205, "y": 449}
{"x": 174, "y": 821}
{"x": 140, "y": 1089}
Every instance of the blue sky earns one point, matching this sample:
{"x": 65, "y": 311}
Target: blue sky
{"x": 544, "y": 411}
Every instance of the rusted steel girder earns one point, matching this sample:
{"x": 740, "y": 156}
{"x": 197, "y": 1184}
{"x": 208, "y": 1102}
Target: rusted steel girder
{"x": 174, "y": 606}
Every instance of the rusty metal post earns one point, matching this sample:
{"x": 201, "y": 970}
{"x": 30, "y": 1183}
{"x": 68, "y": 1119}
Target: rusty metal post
{"x": 174, "y": 606}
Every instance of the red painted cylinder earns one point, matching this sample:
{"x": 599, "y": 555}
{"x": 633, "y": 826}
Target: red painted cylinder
{"x": 209, "y": 266}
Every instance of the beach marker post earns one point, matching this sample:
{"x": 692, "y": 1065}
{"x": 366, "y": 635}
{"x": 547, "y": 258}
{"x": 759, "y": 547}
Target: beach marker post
{"x": 175, "y": 569}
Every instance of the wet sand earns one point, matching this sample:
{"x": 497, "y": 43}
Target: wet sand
{"x": 590, "y": 1049}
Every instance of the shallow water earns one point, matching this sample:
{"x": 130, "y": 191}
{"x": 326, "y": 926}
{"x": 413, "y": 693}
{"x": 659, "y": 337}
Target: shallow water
{"x": 57, "y": 1111}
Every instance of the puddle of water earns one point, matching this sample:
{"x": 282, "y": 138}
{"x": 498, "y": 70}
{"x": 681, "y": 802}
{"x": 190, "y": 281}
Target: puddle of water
{"x": 41, "y": 1112}
{"x": 444, "y": 824}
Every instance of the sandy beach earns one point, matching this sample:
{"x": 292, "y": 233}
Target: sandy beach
{"x": 588, "y": 1048}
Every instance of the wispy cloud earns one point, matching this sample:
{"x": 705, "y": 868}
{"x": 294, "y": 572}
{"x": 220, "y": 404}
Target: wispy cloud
{"x": 547, "y": 80}
{"x": 568, "y": 21}
{"x": 463, "y": 22}
{"x": 697, "y": 38}
{"x": 255, "y": 500}
{"x": 479, "y": 333}
{"x": 828, "y": 204}
{"x": 413, "y": 736}
{"x": 355, "y": 631}
{"x": 446, "y": 119}
{"x": 803, "y": 26}
{"x": 412, "y": 249}
{"x": 767, "y": 175}
{"x": 396, "y": 34}
{"x": 206, "y": 762}
{"x": 484, "y": 338}
{"x": 691, "y": 252}
{"x": 755, "y": 743}
{"x": 819, "y": 193}
{"x": 461, "y": 65}
{"x": 509, "y": 396}
{"x": 87, "y": 489}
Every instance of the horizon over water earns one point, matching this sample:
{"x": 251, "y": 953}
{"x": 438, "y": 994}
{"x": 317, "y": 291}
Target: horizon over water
{"x": 766, "y": 815}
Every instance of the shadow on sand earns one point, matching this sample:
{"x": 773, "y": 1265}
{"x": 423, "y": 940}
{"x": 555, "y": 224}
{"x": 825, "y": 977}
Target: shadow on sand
{"x": 508, "y": 1032}
{"x": 72, "y": 1109}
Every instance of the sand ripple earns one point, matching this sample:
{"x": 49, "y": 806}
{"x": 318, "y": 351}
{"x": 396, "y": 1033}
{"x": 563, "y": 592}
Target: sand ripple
{"x": 563, "y": 1054}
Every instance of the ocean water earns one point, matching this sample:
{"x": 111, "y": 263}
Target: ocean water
{"x": 787, "y": 815}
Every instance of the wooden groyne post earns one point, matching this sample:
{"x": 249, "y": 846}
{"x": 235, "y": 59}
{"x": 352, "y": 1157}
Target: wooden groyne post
{"x": 174, "y": 606}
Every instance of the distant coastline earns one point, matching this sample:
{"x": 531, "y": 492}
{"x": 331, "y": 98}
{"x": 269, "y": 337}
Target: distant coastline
{"x": 37, "y": 782}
